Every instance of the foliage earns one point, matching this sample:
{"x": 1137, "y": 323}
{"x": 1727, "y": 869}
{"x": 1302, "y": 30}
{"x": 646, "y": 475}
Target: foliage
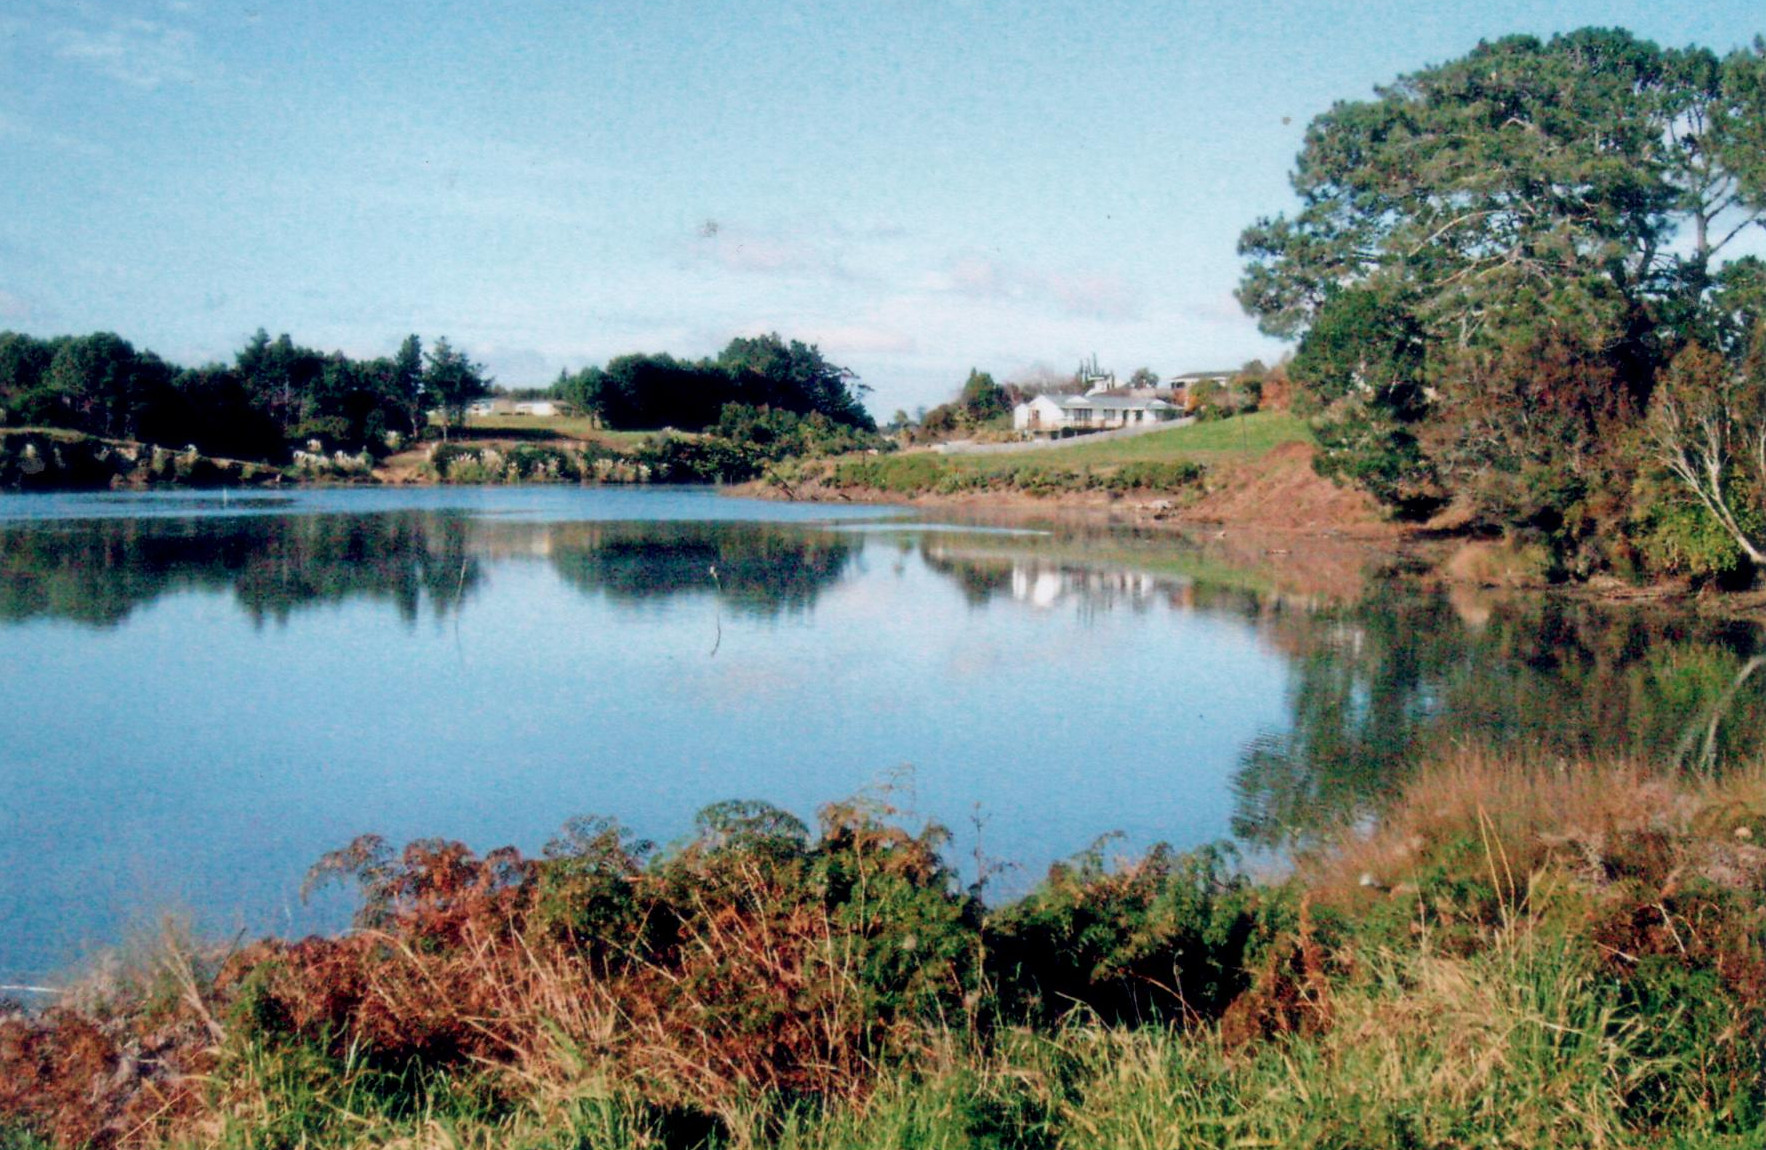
{"x": 520, "y": 463}
{"x": 768, "y": 372}
{"x": 1707, "y": 424}
{"x": 1679, "y": 536}
{"x": 1165, "y": 935}
{"x": 698, "y": 459}
{"x": 923, "y": 473}
{"x": 1494, "y": 259}
{"x": 979, "y": 401}
{"x": 774, "y": 434}
{"x": 453, "y": 381}
{"x": 1361, "y": 365}
{"x": 663, "y": 458}
{"x": 657, "y": 391}
{"x": 276, "y": 397}
{"x": 1514, "y": 954}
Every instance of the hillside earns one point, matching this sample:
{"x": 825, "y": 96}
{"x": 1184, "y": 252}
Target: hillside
{"x": 1254, "y": 471}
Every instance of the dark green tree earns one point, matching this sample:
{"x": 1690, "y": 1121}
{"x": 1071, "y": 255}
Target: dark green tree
{"x": 1361, "y": 367}
{"x": 768, "y": 371}
{"x": 1533, "y": 227}
{"x": 982, "y": 399}
{"x": 102, "y": 382}
{"x": 405, "y": 385}
{"x": 454, "y": 381}
{"x": 279, "y": 374}
{"x": 646, "y": 391}
{"x": 23, "y": 362}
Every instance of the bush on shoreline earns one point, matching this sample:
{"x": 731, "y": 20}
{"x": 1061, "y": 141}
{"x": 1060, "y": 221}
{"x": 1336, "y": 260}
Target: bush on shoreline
{"x": 1562, "y": 955}
{"x": 923, "y": 473}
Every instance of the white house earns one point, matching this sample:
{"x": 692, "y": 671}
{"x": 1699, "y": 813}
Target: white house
{"x": 504, "y": 405}
{"x": 1099, "y": 411}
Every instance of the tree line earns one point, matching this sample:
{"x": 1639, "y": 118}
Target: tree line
{"x": 1521, "y": 285}
{"x": 753, "y": 374}
{"x": 275, "y": 397}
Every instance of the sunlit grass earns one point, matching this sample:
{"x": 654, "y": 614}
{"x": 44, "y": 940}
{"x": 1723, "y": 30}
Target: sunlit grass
{"x": 1241, "y": 436}
{"x": 578, "y": 427}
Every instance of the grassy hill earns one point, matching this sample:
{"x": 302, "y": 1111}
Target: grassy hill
{"x": 581, "y": 428}
{"x": 1169, "y": 461}
{"x": 1246, "y": 436}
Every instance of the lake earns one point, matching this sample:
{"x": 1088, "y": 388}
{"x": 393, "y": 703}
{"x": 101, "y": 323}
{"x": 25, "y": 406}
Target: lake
{"x": 204, "y": 693}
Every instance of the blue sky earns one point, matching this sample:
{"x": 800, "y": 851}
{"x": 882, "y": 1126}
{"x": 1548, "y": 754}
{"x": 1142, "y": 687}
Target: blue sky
{"x": 917, "y": 187}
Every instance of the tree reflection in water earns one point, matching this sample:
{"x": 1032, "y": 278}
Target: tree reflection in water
{"x": 99, "y": 571}
{"x": 1379, "y": 685}
{"x": 761, "y": 569}
{"x": 1382, "y": 685}
{"x": 1373, "y": 687}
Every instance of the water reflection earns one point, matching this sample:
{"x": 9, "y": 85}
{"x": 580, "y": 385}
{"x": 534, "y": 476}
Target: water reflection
{"x": 1068, "y": 684}
{"x": 1046, "y": 582}
{"x": 100, "y": 571}
{"x": 752, "y": 567}
{"x": 1372, "y": 686}
{"x": 1378, "y": 686}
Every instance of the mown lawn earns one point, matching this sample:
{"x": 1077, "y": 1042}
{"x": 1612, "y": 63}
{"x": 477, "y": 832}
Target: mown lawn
{"x": 1159, "y": 461}
{"x": 1245, "y": 436}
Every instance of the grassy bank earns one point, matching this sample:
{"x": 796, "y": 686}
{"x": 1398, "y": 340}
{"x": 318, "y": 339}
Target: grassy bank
{"x": 1520, "y": 955}
{"x": 1169, "y": 462}
{"x": 580, "y": 428}
{"x": 1243, "y": 436}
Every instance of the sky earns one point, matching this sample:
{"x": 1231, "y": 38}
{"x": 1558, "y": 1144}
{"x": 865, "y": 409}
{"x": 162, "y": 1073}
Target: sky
{"x": 917, "y": 187}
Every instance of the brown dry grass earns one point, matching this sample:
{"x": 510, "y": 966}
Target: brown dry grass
{"x": 1482, "y": 846}
{"x": 1524, "y": 810}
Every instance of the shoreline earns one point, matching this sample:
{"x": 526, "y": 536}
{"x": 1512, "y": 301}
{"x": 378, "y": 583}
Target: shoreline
{"x": 839, "y": 980}
{"x": 1260, "y": 510}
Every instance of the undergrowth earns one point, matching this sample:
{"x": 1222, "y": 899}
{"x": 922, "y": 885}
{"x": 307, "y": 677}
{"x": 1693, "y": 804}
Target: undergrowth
{"x": 921, "y": 473}
{"x": 1518, "y": 955}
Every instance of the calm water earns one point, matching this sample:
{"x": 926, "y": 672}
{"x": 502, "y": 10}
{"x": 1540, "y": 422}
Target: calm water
{"x": 201, "y": 696}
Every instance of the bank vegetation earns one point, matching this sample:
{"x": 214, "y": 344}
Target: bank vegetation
{"x": 1522, "y": 953}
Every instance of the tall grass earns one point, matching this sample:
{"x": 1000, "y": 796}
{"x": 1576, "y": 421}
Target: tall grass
{"x": 1523, "y": 955}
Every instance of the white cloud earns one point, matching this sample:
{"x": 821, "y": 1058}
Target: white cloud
{"x": 1082, "y": 294}
{"x": 975, "y": 276}
{"x": 860, "y": 338}
{"x": 141, "y": 52}
{"x": 1096, "y": 295}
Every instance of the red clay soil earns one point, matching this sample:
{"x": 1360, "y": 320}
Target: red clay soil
{"x": 1275, "y": 493}
{"x": 1280, "y": 491}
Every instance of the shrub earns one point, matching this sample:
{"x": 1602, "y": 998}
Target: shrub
{"x": 702, "y": 459}
{"x": 1163, "y": 937}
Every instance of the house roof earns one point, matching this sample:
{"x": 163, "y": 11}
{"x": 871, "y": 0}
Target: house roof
{"x": 1112, "y": 402}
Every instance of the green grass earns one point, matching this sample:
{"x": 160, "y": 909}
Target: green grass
{"x": 578, "y": 427}
{"x": 1160, "y": 461}
{"x": 1245, "y": 436}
